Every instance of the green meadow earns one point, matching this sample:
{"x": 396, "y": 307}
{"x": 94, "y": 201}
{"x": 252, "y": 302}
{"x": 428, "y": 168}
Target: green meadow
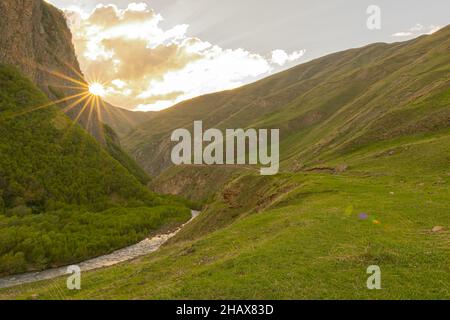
{"x": 304, "y": 240}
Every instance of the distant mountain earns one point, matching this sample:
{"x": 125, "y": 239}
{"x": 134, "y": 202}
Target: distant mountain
{"x": 324, "y": 108}
{"x": 123, "y": 121}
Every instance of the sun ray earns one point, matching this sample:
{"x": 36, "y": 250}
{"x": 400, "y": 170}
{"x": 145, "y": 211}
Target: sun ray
{"x": 40, "y": 67}
{"x": 62, "y": 76}
{"x": 86, "y": 104}
{"x": 46, "y": 105}
{"x": 88, "y": 124}
{"x": 89, "y": 95}
{"x": 79, "y": 74}
{"x": 75, "y": 121}
{"x": 74, "y": 104}
{"x": 108, "y": 112}
{"x": 68, "y": 87}
{"x": 99, "y": 119}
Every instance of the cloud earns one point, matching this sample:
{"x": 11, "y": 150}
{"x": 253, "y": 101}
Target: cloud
{"x": 417, "y": 30}
{"x": 146, "y": 67}
{"x": 280, "y": 57}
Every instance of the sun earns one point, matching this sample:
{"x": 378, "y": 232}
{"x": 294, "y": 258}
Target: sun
{"x": 97, "y": 89}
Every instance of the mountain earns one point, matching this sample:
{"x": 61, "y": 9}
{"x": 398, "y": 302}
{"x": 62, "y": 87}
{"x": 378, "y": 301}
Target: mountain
{"x": 381, "y": 110}
{"x": 34, "y": 37}
{"x": 123, "y": 121}
{"x": 323, "y": 108}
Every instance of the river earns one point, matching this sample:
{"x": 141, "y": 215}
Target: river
{"x": 142, "y": 248}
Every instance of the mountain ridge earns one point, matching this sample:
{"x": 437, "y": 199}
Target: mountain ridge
{"x": 305, "y": 98}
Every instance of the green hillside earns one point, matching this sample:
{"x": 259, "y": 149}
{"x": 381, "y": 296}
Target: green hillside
{"x": 303, "y": 239}
{"x": 324, "y": 108}
{"x": 51, "y": 169}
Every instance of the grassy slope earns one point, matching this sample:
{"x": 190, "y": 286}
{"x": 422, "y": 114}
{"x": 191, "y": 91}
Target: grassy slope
{"x": 325, "y": 107}
{"x": 304, "y": 243}
{"x": 112, "y": 143}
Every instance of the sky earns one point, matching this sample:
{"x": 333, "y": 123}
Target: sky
{"x": 150, "y": 55}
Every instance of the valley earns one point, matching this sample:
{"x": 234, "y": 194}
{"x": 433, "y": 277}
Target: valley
{"x": 363, "y": 179}
{"x": 306, "y": 239}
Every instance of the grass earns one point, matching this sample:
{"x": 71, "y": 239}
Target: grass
{"x": 299, "y": 236}
{"x": 305, "y": 246}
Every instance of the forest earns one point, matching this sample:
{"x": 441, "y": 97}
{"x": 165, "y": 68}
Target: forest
{"x": 41, "y": 241}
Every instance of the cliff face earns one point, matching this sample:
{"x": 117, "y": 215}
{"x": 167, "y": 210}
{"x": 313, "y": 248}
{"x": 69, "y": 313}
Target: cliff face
{"x": 34, "y": 37}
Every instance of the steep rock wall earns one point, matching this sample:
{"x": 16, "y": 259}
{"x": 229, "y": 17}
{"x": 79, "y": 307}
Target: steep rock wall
{"x": 34, "y": 37}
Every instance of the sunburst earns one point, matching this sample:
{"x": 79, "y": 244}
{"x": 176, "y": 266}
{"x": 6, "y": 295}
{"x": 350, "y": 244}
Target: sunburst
{"x": 87, "y": 97}
{"x": 97, "y": 89}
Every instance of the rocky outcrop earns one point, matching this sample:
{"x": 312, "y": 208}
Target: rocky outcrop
{"x": 196, "y": 183}
{"x": 34, "y": 37}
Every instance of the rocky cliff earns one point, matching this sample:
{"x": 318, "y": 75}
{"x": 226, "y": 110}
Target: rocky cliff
{"x": 34, "y": 37}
